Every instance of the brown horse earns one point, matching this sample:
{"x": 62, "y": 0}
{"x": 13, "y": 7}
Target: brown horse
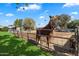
{"x": 47, "y": 29}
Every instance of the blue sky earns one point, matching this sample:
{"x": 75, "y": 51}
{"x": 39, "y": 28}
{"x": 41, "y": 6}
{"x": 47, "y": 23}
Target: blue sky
{"x": 39, "y": 12}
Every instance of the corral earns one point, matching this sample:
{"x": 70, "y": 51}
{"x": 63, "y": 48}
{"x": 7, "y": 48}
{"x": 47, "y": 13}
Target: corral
{"x": 59, "y": 42}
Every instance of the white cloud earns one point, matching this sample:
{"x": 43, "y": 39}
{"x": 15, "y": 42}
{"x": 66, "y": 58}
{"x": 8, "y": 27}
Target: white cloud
{"x": 34, "y": 6}
{"x": 42, "y": 17}
{"x": 72, "y": 17}
{"x": 9, "y": 14}
{"x": 22, "y": 8}
{"x": 29, "y": 7}
{"x": 70, "y": 4}
{"x": 74, "y": 13}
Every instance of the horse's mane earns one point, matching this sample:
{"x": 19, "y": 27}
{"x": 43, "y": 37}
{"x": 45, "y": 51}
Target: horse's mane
{"x": 48, "y": 26}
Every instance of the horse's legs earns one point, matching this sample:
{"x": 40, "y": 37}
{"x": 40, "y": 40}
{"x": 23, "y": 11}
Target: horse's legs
{"x": 38, "y": 39}
{"x": 48, "y": 40}
{"x": 17, "y": 34}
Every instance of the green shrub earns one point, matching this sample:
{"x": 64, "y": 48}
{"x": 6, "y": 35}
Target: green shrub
{"x": 4, "y": 29}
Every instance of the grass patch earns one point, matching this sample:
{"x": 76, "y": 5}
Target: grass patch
{"x": 12, "y": 46}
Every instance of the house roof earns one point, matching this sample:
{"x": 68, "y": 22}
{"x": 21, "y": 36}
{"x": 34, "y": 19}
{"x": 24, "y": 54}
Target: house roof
{"x": 11, "y": 26}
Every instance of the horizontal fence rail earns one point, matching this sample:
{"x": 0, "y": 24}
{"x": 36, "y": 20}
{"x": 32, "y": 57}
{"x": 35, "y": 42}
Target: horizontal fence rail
{"x": 58, "y": 39}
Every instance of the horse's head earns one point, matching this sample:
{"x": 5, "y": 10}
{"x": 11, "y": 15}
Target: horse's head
{"x": 53, "y": 21}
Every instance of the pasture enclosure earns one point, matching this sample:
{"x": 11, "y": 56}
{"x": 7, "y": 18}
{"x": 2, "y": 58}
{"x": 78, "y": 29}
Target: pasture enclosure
{"x": 59, "y": 41}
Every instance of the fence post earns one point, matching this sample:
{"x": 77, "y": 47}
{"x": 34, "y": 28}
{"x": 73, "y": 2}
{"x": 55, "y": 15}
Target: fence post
{"x": 27, "y": 36}
{"x": 76, "y": 37}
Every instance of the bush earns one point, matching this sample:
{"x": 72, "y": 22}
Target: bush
{"x": 4, "y": 29}
{"x": 73, "y": 24}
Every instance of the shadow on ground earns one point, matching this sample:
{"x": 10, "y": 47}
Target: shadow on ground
{"x": 12, "y": 46}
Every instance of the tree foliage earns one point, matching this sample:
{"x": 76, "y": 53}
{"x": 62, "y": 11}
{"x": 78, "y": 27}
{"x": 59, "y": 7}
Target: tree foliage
{"x": 64, "y": 19}
{"x": 73, "y": 23}
{"x": 18, "y": 22}
{"x": 28, "y": 22}
{"x": 5, "y": 28}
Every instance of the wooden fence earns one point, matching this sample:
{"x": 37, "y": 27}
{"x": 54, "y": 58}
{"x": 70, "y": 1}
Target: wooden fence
{"x": 60, "y": 41}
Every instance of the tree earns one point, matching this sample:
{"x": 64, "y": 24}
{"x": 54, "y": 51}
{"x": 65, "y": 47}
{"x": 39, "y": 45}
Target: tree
{"x": 18, "y": 22}
{"x": 64, "y": 19}
{"x": 5, "y": 28}
{"x": 29, "y": 23}
{"x": 73, "y": 23}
